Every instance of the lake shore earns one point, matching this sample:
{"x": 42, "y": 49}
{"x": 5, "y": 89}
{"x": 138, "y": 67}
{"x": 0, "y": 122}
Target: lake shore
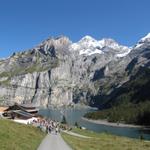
{"x": 113, "y": 124}
{"x": 73, "y": 106}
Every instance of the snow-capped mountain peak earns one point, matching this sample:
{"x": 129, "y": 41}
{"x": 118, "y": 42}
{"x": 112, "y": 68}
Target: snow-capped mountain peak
{"x": 89, "y": 46}
{"x": 107, "y": 42}
{"x": 119, "y": 50}
{"x": 146, "y": 38}
{"x": 87, "y": 38}
{"x": 142, "y": 41}
{"x": 88, "y": 41}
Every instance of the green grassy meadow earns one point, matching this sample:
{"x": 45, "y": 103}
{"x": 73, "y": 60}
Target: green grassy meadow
{"x": 104, "y": 141}
{"x": 15, "y": 136}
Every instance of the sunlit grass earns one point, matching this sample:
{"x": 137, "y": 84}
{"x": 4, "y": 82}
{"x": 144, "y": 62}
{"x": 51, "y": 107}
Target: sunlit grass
{"x": 104, "y": 141}
{"x": 14, "y": 136}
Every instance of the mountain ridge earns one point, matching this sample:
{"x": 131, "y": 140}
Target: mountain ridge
{"x": 60, "y": 72}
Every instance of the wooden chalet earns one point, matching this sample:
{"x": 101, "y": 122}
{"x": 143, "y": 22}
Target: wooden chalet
{"x": 17, "y": 111}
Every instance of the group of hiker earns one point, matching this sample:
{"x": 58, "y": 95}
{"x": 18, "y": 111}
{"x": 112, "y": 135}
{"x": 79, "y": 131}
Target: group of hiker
{"x": 48, "y": 126}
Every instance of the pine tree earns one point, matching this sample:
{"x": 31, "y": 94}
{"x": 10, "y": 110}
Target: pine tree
{"x": 64, "y": 120}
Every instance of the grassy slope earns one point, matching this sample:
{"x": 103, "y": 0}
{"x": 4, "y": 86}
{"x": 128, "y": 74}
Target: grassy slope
{"x": 14, "y": 136}
{"x": 104, "y": 142}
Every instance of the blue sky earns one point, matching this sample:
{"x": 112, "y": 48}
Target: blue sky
{"x": 25, "y": 23}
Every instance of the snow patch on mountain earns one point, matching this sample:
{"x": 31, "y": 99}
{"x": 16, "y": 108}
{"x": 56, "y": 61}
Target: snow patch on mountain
{"x": 89, "y": 46}
{"x": 142, "y": 41}
{"x": 146, "y": 38}
{"x": 90, "y": 52}
{"x": 127, "y": 51}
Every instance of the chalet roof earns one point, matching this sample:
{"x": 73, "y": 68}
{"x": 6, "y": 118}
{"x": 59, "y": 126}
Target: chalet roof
{"x": 32, "y": 110}
{"x": 22, "y": 113}
{"x": 20, "y": 107}
{"x": 27, "y": 106}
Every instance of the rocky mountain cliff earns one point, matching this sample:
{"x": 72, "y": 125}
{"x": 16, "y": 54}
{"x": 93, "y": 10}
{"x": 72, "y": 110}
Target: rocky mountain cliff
{"x": 59, "y": 72}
